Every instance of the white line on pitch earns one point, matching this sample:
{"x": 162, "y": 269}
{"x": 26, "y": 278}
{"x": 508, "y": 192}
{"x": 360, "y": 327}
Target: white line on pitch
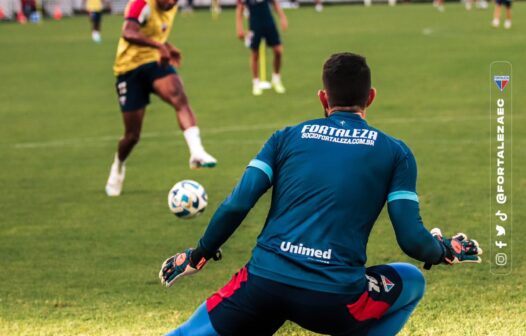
{"x": 238, "y": 128}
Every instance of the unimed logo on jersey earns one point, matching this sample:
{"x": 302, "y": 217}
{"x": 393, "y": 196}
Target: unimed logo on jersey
{"x": 356, "y": 136}
{"x": 501, "y": 81}
{"x": 306, "y": 251}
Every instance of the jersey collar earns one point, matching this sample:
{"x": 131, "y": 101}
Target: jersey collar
{"x": 348, "y": 116}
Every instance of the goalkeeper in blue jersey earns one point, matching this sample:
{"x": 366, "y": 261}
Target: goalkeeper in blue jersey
{"x": 331, "y": 178}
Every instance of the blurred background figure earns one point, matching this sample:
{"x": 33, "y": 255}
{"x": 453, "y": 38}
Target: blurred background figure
{"x": 496, "y": 15}
{"x": 29, "y": 10}
{"x": 318, "y": 6}
{"x": 188, "y": 8}
{"x": 94, "y": 9}
{"x": 482, "y": 4}
{"x": 439, "y": 5}
{"x": 262, "y": 26}
{"x": 215, "y": 8}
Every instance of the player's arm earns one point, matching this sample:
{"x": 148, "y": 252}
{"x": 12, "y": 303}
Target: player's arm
{"x": 239, "y": 19}
{"x": 131, "y": 33}
{"x": 136, "y": 15}
{"x": 225, "y": 221}
{"x": 281, "y": 14}
{"x": 414, "y": 239}
{"x": 256, "y": 180}
{"x": 176, "y": 55}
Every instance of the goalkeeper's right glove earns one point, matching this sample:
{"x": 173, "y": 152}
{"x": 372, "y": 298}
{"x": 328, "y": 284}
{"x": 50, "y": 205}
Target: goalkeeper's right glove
{"x": 185, "y": 263}
{"x": 458, "y": 249}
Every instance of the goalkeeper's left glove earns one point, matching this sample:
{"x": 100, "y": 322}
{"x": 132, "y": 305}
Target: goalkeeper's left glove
{"x": 185, "y": 263}
{"x": 458, "y": 249}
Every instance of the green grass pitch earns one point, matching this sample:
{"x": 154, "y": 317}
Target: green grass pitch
{"x": 74, "y": 262}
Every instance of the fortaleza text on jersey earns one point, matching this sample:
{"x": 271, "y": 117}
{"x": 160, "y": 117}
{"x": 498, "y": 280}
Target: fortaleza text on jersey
{"x": 355, "y": 136}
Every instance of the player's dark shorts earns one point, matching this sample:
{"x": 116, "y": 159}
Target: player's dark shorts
{"x": 269, "y": 33}
{"x": 95, "y": 16}
{"x": 506, "y": 3}
{"x": 134, "y": 87}
{"x": 255, "y": 306}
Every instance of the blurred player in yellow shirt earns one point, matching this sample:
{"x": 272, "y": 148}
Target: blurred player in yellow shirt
{"x": 144, "y": 65}
{"x": 94, "y": 9}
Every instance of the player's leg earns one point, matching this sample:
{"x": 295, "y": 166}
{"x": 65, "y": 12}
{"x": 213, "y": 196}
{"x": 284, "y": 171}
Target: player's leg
{"x": 95, "y": 32}
{"x": 132, "y": 132}
{"x": 496, "y": 14}
{"x": 255, "y": 40}
{"x": 278, "y": 54}
{"x": 134, "y": 96}
{"x": 276, "y": 73}
{"x": 246, "y": 305}
{"x": 274, "y": 41}
{"x": 396, "y": 316}
{"x": 170, "y": 89}
{"x": 507, "y": 22}
{"x": 215, "y": 8}
{"x": 439, "y": 4}
{"x": 319, "y": 6}
{"x": 254, "y": 68}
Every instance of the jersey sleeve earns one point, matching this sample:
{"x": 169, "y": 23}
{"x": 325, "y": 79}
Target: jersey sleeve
{"x": 138, "y": 11}
{"x": 253, "y": 184}
{"x": 404, "y": 212}
{"x": 403, "y": 181}
{"x": 266, "y": 159}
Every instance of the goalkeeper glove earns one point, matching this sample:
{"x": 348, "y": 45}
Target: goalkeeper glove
{"x": 185, "y": 263}
{"x": 458, "y": 249}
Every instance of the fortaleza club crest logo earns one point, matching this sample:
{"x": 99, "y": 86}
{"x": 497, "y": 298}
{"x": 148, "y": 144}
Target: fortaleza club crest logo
{"x": 501, "y": 81}
{"x": 388, "y": 284}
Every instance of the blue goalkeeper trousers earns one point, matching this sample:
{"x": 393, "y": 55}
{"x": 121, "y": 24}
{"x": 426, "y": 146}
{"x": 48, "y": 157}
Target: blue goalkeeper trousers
{"x": 251, "y": 305}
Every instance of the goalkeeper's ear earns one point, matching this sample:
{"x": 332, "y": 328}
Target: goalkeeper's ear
{"x": 372, "y": 95}
{"x": 322, "y": 95}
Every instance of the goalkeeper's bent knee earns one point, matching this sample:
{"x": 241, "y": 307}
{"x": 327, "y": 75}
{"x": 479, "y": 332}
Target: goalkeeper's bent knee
{"x": 414, "y": 284}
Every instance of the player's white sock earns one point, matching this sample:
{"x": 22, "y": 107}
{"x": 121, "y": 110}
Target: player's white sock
{"x": 116, "y": 178}
{"x": 276, "y": 83}
{"x": 95, "y": 35}
{"x": 198, "y": 156}
{"x": 495, "y": 23}
{"x": 507, "y": 24}
{"x": 256, "y": 87}
{"x": 193, "y": 139}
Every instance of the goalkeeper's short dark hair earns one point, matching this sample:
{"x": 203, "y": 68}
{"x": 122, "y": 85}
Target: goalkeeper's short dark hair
{"x": 347, "y": 80}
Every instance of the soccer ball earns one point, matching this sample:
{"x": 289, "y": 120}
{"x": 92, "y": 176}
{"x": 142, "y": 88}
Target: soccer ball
{"x": 187, "y": 199}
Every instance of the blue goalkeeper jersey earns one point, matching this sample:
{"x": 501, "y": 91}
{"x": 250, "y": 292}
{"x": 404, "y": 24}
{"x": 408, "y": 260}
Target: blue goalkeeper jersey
{"x": 331, "y": 178}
